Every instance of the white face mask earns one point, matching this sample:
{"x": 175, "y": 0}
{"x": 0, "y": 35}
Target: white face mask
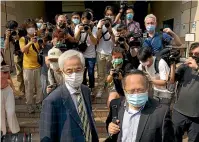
{"x": 54, "y": 66}
{"x": 74, "y": 79}
{"x": 31, "y": 31}
{"x": 111, "y": 17}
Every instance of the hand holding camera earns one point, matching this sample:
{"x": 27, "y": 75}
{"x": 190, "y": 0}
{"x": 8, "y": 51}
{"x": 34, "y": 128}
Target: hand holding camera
{"x": 192, "y": 63}
{"x": 8, "y": 33}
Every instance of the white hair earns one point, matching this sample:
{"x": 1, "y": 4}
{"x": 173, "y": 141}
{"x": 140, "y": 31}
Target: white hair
{"x": 150, "y": 16}
{"x": 69, "y": 54}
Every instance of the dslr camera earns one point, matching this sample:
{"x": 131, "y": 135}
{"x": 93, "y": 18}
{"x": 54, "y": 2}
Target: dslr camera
{"x": 107, "y": 22}
{"x": 86, "y": 26}
{"x": 137, "y": 38}
{"x": 115, "y": 73}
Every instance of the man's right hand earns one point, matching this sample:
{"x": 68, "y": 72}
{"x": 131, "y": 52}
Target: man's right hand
{"x": 8, "y": 33}
{"x": 101, "y": 23}
{"x": 81, "y": 28}
{"x": 33, "y": 39}
{"x": 113, "y": 128}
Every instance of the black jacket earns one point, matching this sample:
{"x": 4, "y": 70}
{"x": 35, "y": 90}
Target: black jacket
{"x": 155, "y": 123}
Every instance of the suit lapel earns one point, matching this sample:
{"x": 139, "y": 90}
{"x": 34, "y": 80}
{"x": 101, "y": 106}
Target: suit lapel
{"x": 69, "y": 105}
{"x": 143, "y": 120}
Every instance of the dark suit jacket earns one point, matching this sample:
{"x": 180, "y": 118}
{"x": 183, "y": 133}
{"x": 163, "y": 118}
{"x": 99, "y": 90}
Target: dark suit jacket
{"x": 155, "y": 124}
{"x": 60, "y": 121}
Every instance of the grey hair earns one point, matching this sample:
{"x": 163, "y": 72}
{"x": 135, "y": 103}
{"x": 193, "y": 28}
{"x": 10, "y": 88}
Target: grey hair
{"x": 69, "y": 54}
{"x": 150, "y": 16}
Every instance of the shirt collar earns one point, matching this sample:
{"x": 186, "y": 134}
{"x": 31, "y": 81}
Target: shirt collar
{"x": 126, "y": 106}
{"x": 71, "y": 89}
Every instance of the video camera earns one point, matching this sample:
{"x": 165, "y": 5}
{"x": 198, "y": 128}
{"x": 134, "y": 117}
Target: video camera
{"x": 135, "y": 39}
{"x": 124, "y": 7}
{"x": 115, "y": 73}
{"x": 170, "y": 55}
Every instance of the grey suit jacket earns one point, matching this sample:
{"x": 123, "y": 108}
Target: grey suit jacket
{"x": 60, "y": 122}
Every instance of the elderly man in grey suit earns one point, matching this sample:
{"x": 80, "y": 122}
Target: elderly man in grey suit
{"x": 137, "y": 117}
{"x": 67, "y": 113}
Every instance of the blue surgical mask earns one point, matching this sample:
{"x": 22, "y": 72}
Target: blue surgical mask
{"x": 150, "y": 28}
{"x": 129, "y": 16}
{"x": 137, "y": 100}
{"x": 76, "y": 21}
{"x": 39, "y": 25}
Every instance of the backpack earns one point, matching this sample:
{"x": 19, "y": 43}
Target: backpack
{"x": 169, "y": 86}
{"x": 39, "y": 53}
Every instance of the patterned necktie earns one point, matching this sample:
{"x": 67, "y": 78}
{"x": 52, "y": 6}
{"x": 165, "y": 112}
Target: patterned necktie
{"x": 84, "y": 117}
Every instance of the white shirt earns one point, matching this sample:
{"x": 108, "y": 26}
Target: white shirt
{"x": 130, "y": 125}
{"x": 90, "y": 51}
{"x": 105, "y": 47}
{"x": 162, "y": 75}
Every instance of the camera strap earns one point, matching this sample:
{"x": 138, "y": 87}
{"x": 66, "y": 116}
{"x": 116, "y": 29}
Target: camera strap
{"x": 103, "y": 34}
{"x": 85, "y": 37}
{"x": 34, "y": 48}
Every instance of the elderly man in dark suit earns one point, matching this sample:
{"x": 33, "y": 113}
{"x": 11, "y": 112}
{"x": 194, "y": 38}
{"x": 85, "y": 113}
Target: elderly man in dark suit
{"x": 136, "y": 117}
{"x": 67, "y": 113}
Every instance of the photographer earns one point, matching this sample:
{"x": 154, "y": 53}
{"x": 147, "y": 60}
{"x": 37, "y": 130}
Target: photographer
{"x": 75, "y": 18}
{"x": 86, "y": 35}
{"x": 31, "y": 66}
{"x": 7, "y": 102}
{"x": 55, "y": 77}
{"x": 63, "y": 26}
{"x": 130, "y": 52}
{"x": 44, "y": 68}
{"x": 116, "y": 75}
{"x": 186, "y": 113}
{"x": 128, "y": 12}
{"x": 106, "y": 41}
{"x": 158, "y": 78}
{"x": 155, "y": 41}
{"x": 11, "y": 36}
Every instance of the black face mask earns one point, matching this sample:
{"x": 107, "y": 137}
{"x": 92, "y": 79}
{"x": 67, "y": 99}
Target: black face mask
{"x": 62, "y": 25}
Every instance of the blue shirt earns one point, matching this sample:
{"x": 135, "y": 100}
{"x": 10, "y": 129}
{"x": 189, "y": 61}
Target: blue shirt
{"x": 155, "y": 42}
{"x": 130, "y": 124}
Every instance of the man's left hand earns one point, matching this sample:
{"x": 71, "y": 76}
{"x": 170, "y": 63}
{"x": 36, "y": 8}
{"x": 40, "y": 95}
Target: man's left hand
{"x": 168, "y": 31}
{"x": 191, "y": 63}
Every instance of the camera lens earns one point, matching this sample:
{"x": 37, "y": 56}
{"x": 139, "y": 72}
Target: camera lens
{"x": 107, "y": 24}
{"x": 86, "y": 28}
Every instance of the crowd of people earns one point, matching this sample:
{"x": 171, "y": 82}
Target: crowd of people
{"x": 55, "y": 67}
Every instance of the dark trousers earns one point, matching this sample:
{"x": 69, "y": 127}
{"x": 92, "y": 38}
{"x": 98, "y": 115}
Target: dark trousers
{"x": 90, "y": 66}
{"x": 44, "y": 84}
{"x": 184, "y": 123}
